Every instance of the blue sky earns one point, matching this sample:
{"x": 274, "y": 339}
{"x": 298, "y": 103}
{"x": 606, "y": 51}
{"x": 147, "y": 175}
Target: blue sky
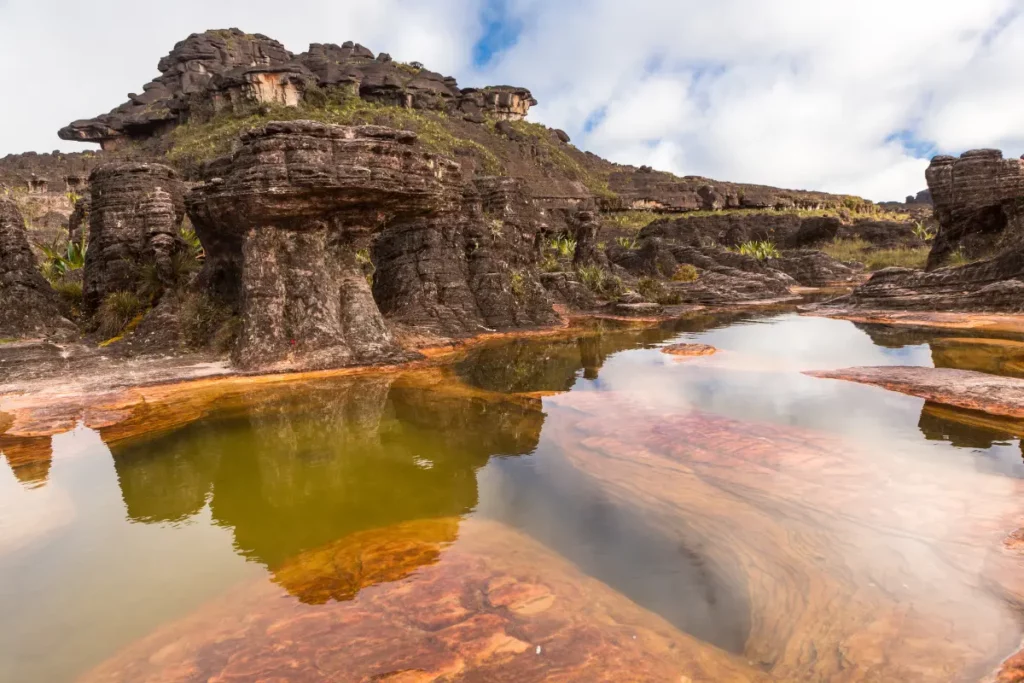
{"x": 838, "y": 96}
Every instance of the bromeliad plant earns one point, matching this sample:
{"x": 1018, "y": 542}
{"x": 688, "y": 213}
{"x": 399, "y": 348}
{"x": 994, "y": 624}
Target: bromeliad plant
{"x": 60, "y": 259}
{"x": 762, "y": 250}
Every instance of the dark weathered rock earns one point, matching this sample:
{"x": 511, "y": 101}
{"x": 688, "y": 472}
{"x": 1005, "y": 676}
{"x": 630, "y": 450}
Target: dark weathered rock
{"x": 230, "y": 70}
{"x": 978, "y": 201}
{"x": 566, "y": 288}
{"x": 468, "y": 267}
{"x": 722, "y": 276}
{"x": 135, "y": 213}
{"x": 813, "y": 268}
{"x": 28, "y": 305}
{"x": 282, "y": 227}
{"x": 78, "y": 222}
{"x": 585, "y": 225}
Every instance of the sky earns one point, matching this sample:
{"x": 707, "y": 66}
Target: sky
{"x": 840, "y": 96}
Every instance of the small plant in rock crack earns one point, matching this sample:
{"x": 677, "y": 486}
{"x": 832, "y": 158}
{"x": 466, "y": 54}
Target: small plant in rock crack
{"x": 922, "y": 232}
{"x": 762, "y": 250}
{"x": 627, "y": 242}
{"x": 517, "y": 283}
{"x": 563, "y": 245}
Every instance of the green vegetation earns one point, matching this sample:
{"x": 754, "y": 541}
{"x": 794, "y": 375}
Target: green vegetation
{"x": 554, "y": 149}
{"x": 206, "y": 323}
{"x": 922, "y": 232}
{"x": 761, "y": 250}
{"x": 518, "y": 284}
{"x": 685, "y": 273}
{"x": 196, "y": 142}
{"x": 563, "y": 245}
{"x": 117, "y": 311}
{"x": 550, "y": 264}
{"x": 865, "y": 210}
{"x": 653, "y": 289}
{"x": 59, "y": 259}
{"x": 875, "y": 259}
{"x": 600, "y": 281}
{"x": 631, "y": 220}
{"x": 959, "y": 258}
{"x": 626, "y": 242}
{"x": 70, "y": 295}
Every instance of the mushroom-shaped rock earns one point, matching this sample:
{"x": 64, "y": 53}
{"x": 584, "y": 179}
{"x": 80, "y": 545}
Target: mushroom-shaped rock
{"x": 280, "y": 229}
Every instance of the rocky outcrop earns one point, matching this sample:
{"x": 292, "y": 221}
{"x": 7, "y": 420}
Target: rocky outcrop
{"x": 992, "y": 285}
{"x": 283, "y": 223}
{"x": 784, "y": 229}
{"x": 27, "y": 302}
{"x": 78, "y": 221}
{"x": 959, "y": 388}
{"x": 467, "y": 267}
{"x": 228, "y": 70}
{"x": 136, "y": 210}
{"x": 645, "y": 188}
{"x": 721, "y": 276}
{"x": 977, "y": 201}
{"x": 813, "y": 268}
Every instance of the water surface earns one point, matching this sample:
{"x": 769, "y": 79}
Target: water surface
{"x": 757, "y": 510}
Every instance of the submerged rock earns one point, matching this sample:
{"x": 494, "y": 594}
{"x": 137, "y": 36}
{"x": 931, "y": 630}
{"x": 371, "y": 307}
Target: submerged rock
{"x": 428, "y": 600}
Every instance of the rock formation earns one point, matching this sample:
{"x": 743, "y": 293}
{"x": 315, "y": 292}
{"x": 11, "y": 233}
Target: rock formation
{"x": 813, "y": 268}
{"x": 977, "y": 203}
{"x": 135, "y": 214}
{"x": 978, "y": 200}
{"x": 27, "y": 303}
{"x": 281, "y": 229}
{"x": 468, "y": 267}
{"x": 211, "y": 72}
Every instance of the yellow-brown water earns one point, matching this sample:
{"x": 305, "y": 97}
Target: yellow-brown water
{"x": 583, "y": 508}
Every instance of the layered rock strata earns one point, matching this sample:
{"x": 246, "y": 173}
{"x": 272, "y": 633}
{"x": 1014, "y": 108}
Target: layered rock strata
{"x": 28, "y": 305}
{"x": 135, "y": 214}
{"x": 230, "y": 70}
{"x": 283, "y": 225}
{"x": 468, "y": 267}
{"x": 978, "y": 202}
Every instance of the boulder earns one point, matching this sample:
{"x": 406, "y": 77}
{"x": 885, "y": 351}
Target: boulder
{"x": 28, "y": 304}
{"x": 135, "y": 214}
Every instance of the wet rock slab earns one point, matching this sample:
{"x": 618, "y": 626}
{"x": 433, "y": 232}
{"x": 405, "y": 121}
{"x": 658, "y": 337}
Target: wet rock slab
{"x": 689, "y": 350}
{"x": 433, "y": 600}
{"x": 961, "y": 388}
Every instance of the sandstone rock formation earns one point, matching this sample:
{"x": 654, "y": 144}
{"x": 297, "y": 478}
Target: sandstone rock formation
{"x": 954, "y": 387}
{"x": 28, "y": 306}
{"x": 813, "y": 268}
{"x": 136, "y": 210}
{"x": 282, "y": 227}
{"x": 230, "y": 70}
{"x": 977, "y": 203}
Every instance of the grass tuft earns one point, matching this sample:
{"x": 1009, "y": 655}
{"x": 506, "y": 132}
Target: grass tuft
{"x": 875, "y": 259}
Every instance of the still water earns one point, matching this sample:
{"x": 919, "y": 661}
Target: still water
{"x": 583, "y": 507}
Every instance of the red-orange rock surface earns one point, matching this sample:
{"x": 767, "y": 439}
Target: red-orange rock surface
{"x": 689, "y": 350}
{"x": 961, "y": 388}
{"x": 491, "y": 605}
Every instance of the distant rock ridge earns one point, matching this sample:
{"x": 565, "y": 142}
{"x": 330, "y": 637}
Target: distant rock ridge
{"x": 229, "y": 69}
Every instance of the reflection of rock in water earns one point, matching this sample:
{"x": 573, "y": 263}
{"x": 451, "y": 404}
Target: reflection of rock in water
{"x": 28, "y": 458}
{"x": 857, "y": 567}
{"x": 996, "y": 356}
{"x": 976, "y": 430}
{"x": 892, "y": 337}
{"x": 310, "y": 465}
{"x": 492, "y": 606}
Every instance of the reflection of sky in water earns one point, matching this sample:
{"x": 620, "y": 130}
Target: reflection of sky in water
{"x": 757, "y": 375}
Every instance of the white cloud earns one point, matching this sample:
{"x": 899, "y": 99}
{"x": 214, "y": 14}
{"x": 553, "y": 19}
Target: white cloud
{"x": 795, "y": 93}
